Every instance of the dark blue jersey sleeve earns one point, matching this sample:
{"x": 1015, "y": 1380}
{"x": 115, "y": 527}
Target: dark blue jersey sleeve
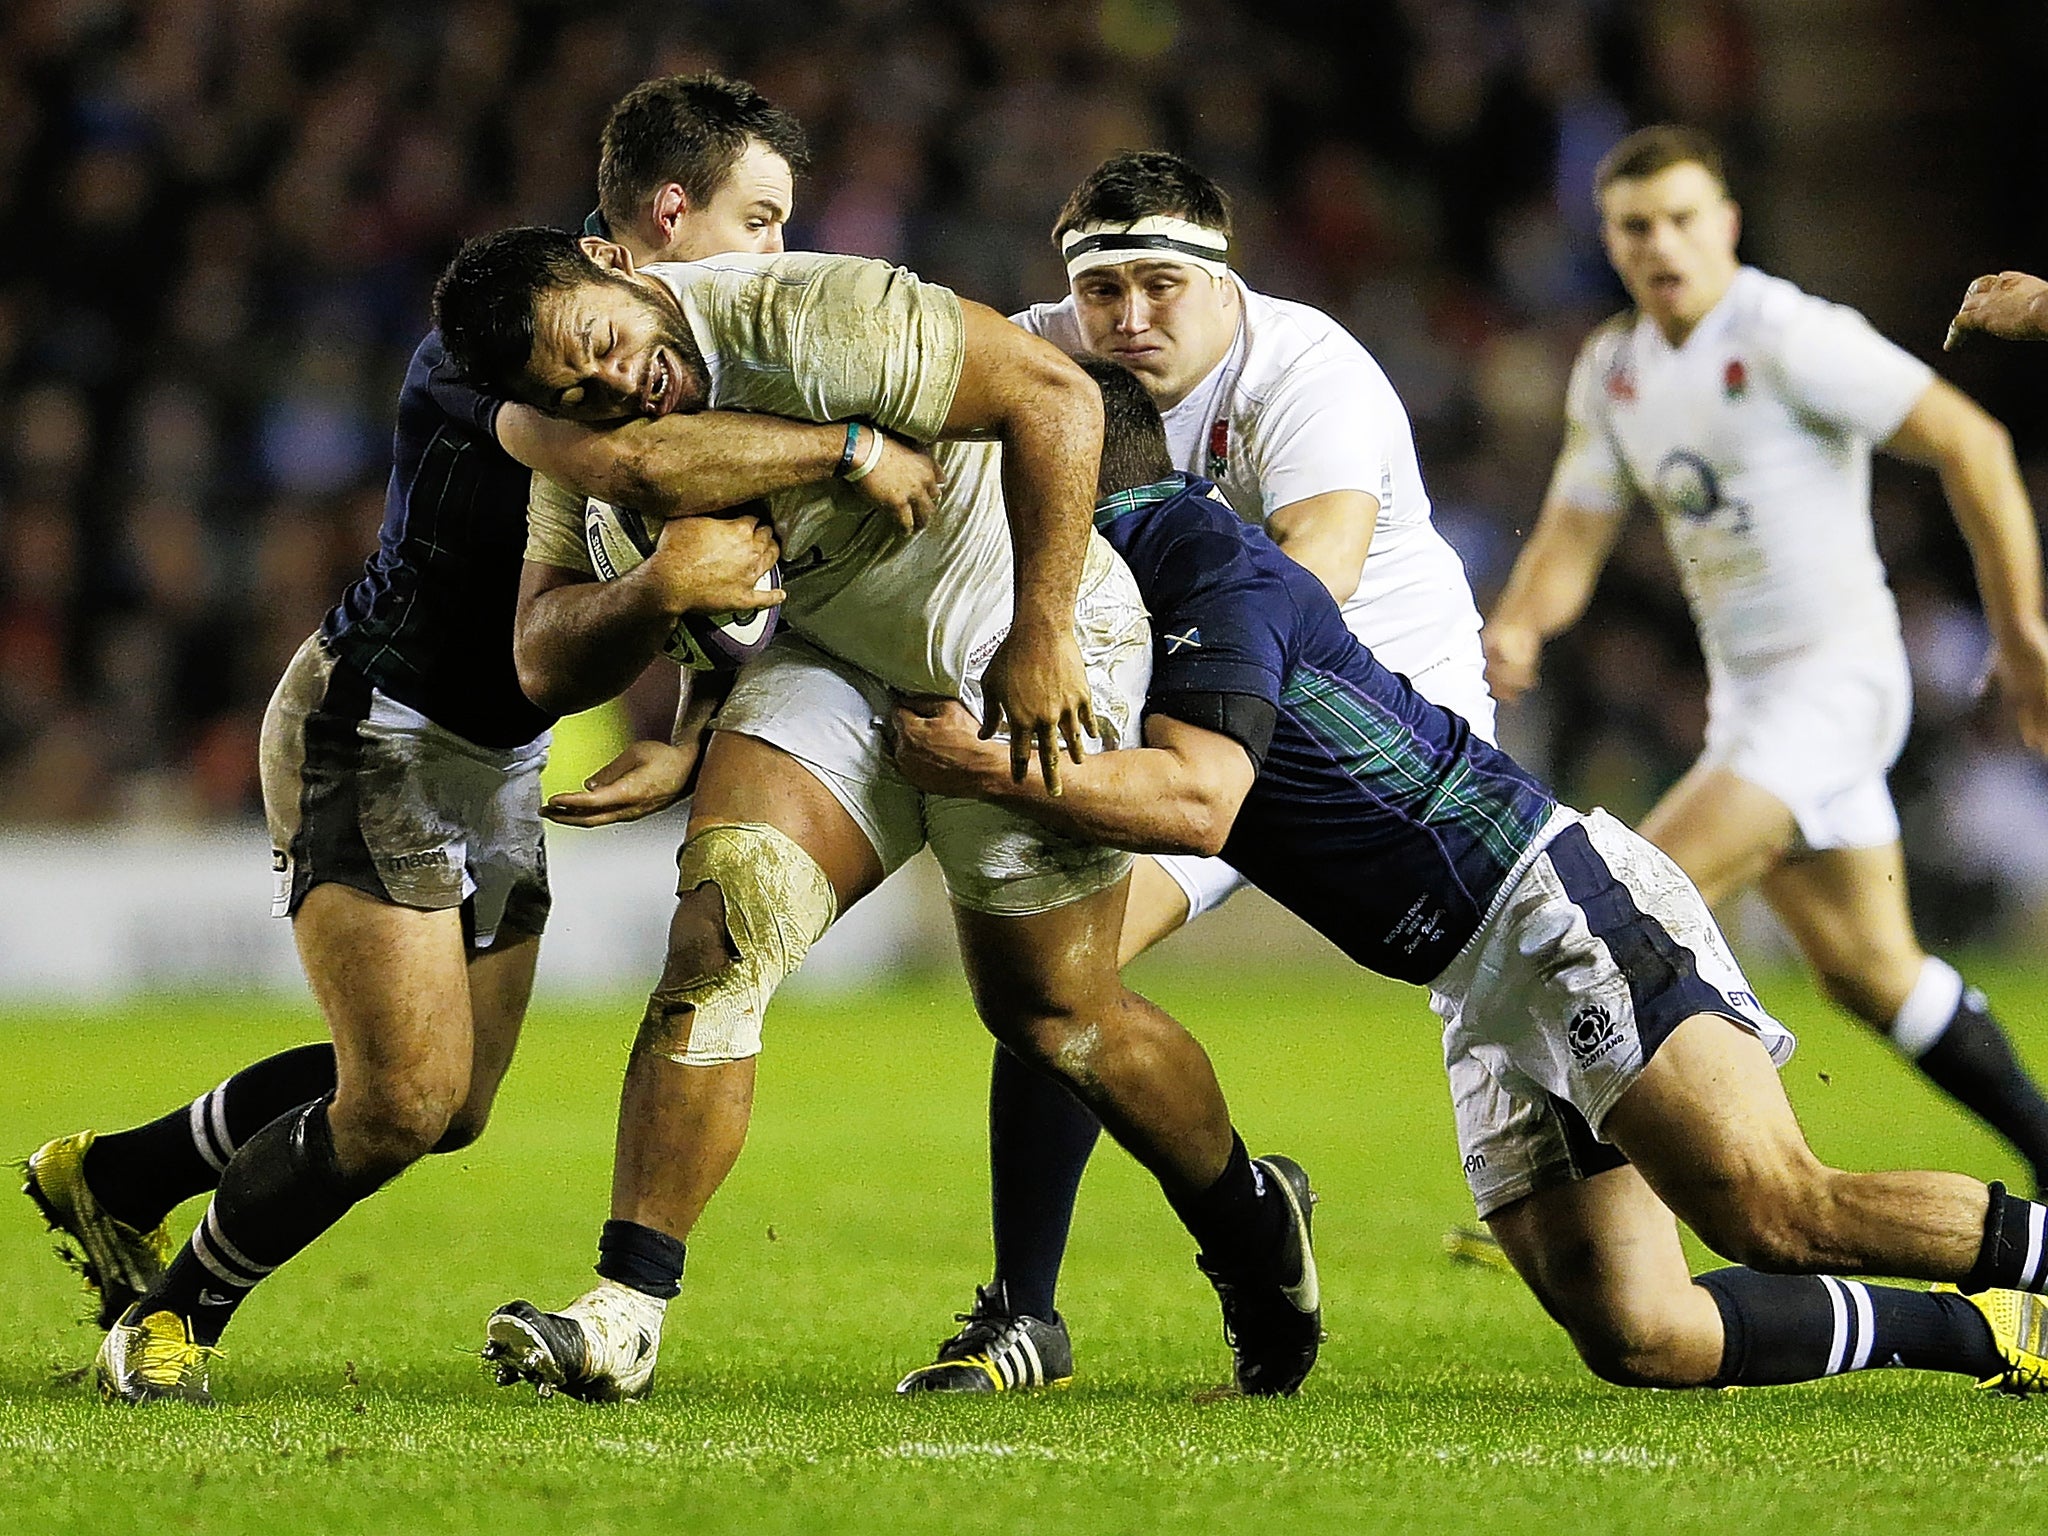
{"x": 455, "y": 396}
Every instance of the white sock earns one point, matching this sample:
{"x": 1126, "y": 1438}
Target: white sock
{"x": 1925, "y": 1015}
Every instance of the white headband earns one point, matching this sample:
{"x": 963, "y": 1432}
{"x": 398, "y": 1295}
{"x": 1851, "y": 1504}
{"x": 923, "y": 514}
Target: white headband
{"x": 1156, "y": 237}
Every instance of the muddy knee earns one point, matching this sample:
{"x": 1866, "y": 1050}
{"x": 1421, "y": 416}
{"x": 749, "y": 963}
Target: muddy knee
{"x": 752, "y": 903}
{"x": 385, "y": 1125}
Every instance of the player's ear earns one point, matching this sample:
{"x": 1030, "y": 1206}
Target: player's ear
{"x": 1734, "y": 222}
{"x": 671, "y": 204}
{"x": 610, "y": 257}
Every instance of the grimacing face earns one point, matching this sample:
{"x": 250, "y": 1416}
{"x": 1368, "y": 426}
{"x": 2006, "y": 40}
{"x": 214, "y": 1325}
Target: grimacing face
{"x": 1671, "y": 238}
{"x": 1167, "y": 321}
{"x": 746, "y": 214}
{"x": 613, "y": 347}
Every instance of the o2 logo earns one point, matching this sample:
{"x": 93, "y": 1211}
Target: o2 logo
{"x": 1687, "y": 484}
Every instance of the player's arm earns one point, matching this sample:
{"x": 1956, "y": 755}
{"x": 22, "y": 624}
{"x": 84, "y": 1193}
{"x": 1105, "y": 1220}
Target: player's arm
{"x": 1546, "y": 592}
{"x": 695, "y": 462}
{"x": 648, "y": 776}
{"x": 1179, "y": 793}
{"x": 1973, "y": 454}
{"x": 1329, "y": 536}
{"x": 1048, "y": 416}
{"x": 2013, "y": 306}
{"x": 578, "y": 641}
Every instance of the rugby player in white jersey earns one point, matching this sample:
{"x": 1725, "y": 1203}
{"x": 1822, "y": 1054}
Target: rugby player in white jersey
{"x": 1006, "y": 599}
{"x": 1297, "y": 425}
{"x": 1745, "y": 412}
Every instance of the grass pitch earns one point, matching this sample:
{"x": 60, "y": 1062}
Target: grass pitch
{"x": 853, "y": 1228}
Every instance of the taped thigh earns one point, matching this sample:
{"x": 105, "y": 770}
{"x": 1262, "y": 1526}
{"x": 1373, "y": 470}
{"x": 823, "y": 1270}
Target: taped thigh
{"x": 777, "y": 904}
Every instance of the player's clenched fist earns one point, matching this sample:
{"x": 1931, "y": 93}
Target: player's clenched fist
{"x": 1037, "y": 687}
{"x": 2009, "y": 305}
{"x": 711, "y": 564}
{"x": 1513, "y": 653}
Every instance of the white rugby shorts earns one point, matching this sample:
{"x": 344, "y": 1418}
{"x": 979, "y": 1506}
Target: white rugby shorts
{"x": 1819, "y": 731}
{"x": 1456, "y": 682}
{"x": 1596, "y": 950}
{"x": 831, "y": 716}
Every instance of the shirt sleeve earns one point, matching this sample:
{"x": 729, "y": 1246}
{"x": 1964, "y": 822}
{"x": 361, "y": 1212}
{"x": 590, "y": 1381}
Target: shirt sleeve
{"x": 1218, "y": 624}
{"x": 463, "y": 403}
{"x": 1833, "y": 365}
{"x": 554, "y": 527}
{"x": 1590, "y": 473}
{"x": 1337, "y": 427}
{"x": 878, "y": 343}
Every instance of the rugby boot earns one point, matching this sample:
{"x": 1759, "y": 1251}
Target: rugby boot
{"x": 152, "y": 1357}
{"x": 997, "y": 1351}
{"x": 598, "y": 1349}
{"x": 119, "y": 1263}
{"x": 1274, "y": 1327}
{"x": 2019, "y": 1325}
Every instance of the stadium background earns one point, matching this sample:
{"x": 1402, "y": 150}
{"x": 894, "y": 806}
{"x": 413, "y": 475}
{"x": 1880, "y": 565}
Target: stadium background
{"x": 225, "y": 216}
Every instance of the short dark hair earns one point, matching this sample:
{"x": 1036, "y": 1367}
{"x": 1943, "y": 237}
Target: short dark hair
{"x": 691, "y": 130}
{"x": 484, "y": 303}
{"x": 1657, "y": 148}
{"x": 1134, "y": 183}
{"x": 1134, "y": 450}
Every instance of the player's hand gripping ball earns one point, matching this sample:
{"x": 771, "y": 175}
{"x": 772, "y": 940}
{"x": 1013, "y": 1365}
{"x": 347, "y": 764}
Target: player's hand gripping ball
{"x": 619, "y": 539}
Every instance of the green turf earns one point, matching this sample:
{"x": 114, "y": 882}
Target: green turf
{"x": 854, "y": 1227}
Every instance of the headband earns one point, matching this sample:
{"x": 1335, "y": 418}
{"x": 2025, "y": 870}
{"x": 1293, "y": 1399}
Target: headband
{"x": 1159, "y": 237}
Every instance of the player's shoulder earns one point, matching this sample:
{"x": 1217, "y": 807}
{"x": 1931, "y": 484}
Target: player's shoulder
{"x": 1057, "y": 323}
{"x": 1608, "y": 339}
{"x": 1300, "y": 354}
{"x": 776, "y": 276}
{"x": 1768, "y": 309}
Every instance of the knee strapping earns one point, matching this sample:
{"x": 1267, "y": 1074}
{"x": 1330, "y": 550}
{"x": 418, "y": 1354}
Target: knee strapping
{"x": 777, "y": 904}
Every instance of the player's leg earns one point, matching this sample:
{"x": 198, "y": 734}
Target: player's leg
{"x": 1046, "y": 985}
{"x": 111, "y": 1193}
{"x": 500, "y": 988}
{"x": 1708, "y": 1124}
{"x": 1041, "y": 1136}
{"x": 392, "y": 983}
{"x": 773, "y": 854}
{"x": 1723, "y": 831}
{"x": 1847, "y": 910}
{"x": 1604, "y": 1259}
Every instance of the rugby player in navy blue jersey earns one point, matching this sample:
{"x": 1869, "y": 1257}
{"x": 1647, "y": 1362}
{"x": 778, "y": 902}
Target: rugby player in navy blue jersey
{"x": 1609, "y": 1064}
{"x": 401, "y": 765}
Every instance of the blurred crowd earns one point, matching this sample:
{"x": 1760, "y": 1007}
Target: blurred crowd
{"x": 227, "y": 215}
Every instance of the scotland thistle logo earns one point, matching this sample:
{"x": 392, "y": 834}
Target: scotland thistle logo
{"x": 1591, "y": 1034}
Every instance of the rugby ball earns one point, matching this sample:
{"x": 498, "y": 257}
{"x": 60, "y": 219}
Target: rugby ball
{"x": 619, "y": 539}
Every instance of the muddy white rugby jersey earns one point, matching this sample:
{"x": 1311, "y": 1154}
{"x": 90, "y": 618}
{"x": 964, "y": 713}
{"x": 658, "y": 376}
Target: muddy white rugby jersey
{"x": 1752, "y": 441}
{"x": 832, "y": 338}
{"x": 1297, "y": 408}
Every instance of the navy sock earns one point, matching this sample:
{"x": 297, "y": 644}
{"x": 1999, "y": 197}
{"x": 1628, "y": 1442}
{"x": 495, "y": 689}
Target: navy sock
{"x": 1787, "y": 1328}
{"x": 280, "y": 1191}
{"x": 140, "y": 1175}
{"x": 1973, "y": 1062}
{"x": 1039, "y": 1140}
{"x": 647, "y": 1260}
{"x": 1242, "y": 1223}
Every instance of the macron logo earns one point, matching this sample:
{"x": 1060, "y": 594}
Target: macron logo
{"x": 1191, "y": 640}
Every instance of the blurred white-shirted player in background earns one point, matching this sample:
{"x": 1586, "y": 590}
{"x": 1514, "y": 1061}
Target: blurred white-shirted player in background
{"x": 1293, "y": 420}
{"x": 1744, "y": 411}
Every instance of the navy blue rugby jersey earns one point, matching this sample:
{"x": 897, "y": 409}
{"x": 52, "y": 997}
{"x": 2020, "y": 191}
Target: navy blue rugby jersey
{"x": 430, "y": 620}
{"x": 1377, "y": 817}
